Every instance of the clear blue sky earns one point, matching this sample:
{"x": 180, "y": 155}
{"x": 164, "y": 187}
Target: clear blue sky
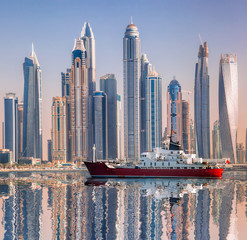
{"x": 168, "y": 30}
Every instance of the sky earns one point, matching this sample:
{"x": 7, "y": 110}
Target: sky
{"x": 169, "y": 36}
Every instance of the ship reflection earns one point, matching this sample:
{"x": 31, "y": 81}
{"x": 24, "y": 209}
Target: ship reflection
{"x": 71, "y": 206}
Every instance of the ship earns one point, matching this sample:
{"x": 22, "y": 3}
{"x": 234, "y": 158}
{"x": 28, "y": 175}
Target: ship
{"x": 159, "y": 163}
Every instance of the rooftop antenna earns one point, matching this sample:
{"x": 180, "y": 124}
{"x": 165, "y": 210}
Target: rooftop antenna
{"x": 200, "y": 38}
{"x": 131, "y": 20}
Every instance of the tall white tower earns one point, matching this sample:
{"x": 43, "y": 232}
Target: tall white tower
{"x": 87, "y": 37}
{"x": 131, "y": 74}
{"x": 228, "y": 105}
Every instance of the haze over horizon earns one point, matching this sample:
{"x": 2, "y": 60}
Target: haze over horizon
{"x": 168, "y": 32}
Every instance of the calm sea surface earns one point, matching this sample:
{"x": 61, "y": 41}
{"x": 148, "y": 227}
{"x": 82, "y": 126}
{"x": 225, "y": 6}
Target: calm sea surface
{"x": 73, "y": 206}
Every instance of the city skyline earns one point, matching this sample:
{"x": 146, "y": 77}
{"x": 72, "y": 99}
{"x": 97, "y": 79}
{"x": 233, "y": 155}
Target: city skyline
{"x": 51, "y": 81}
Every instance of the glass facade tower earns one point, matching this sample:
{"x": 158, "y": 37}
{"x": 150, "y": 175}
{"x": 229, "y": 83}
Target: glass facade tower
{"x": 228, "y": 105}
{"x": 108, "y": 84}
{"x": 186, "y": 126}
{"x": 32, "y": 108}
{"x": 100, "y": 125}
{"x": 131, "y": 75}
{"x": 153, "y": 110}
{"x": 119, "y": 126}
{"x": 11, "y": 125}
{"x": 174, "y": 111}
{"x": 145, "y": 70}
{"x": 201, "y": 103}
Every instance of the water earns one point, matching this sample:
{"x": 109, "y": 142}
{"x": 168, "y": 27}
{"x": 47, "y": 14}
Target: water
{"x": 73, "y": 206}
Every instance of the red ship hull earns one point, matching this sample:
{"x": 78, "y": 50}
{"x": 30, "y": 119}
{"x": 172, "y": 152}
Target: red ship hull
{"x": 100, "y": 169}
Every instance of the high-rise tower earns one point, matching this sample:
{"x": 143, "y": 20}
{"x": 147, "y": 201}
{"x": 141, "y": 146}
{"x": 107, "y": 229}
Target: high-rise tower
{"x": 108, "y": 84}
{"x": 66, "y": 92}
{"x": 174, "y": 111}
{"x": 100, "y": 124}
{"x": 145, "y": 70}
{"x": 186, "y": 126}
{"x": 119, "y": 126}
{"x": 87, "y": 37}
{"x": 58, "y": 132}
{"x": 20, "y": 129}
{"x": 11, "y": 125}
{"x": 201, "y": 103}
{"x": 228, "y": 105}
{"x": 32, "y": 108}
{"x": 153, "y": 110}
{"x": 79, "y": 102}
{"x": 131, "y": 74}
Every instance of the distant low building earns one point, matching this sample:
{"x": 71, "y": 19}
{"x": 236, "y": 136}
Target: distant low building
{"x": 29, "y": 161}
{"x": 5, "y": 156}
{"x": 240, "y": 153}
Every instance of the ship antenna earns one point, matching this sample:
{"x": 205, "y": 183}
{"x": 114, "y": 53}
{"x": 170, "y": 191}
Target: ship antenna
{"x": 94, "y": 149}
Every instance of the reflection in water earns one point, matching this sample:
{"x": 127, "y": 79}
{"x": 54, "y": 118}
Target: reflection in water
{"x": 70, "y": 206}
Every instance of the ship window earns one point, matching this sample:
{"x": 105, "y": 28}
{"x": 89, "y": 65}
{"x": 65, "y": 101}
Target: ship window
{"x": 168, "y": 164}
{"x": 200, "y": 167}
{"x": 162, "y": 164}
{"x": 154, "y": 164}
{"x": 192, "y": 167}
{"x": 144, "y": 164}
{"x": 171, "y": 167}
{"x": 150, "y": 164}
{"x": 178, "y": 167}
{"x": 185, "y": 167}
{"x": 171, "y": 152}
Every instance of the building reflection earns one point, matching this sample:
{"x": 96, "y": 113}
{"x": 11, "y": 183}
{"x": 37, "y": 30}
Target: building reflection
{"x": 80, "y": 208}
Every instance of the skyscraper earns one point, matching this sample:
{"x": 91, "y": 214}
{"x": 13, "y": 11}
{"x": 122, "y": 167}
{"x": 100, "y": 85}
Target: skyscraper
{"x": 174, "y": 111}
{"x": 201, "y": 103}
{"x": 216, "y": 140}
{"x": 32, "y": 108}
{"x": 145, "y": 70}
{"x": 79, "y": 103}
{"x": 186, "y": 126}
{"x": 100, "y": 124}
{"x": 20, "y": 129}
{"x": 66, "y": 92}
{"x": 108, "y": 84}
{"x": 131, "y": 73}
{"x": 11, "y": 125}
{"x": 153, "y": 110}
{"x": 58, "y": 132}
{"x": 228, "y": 105}
{"x": 87, "y": 37}
{"x": 119, "y": 127}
